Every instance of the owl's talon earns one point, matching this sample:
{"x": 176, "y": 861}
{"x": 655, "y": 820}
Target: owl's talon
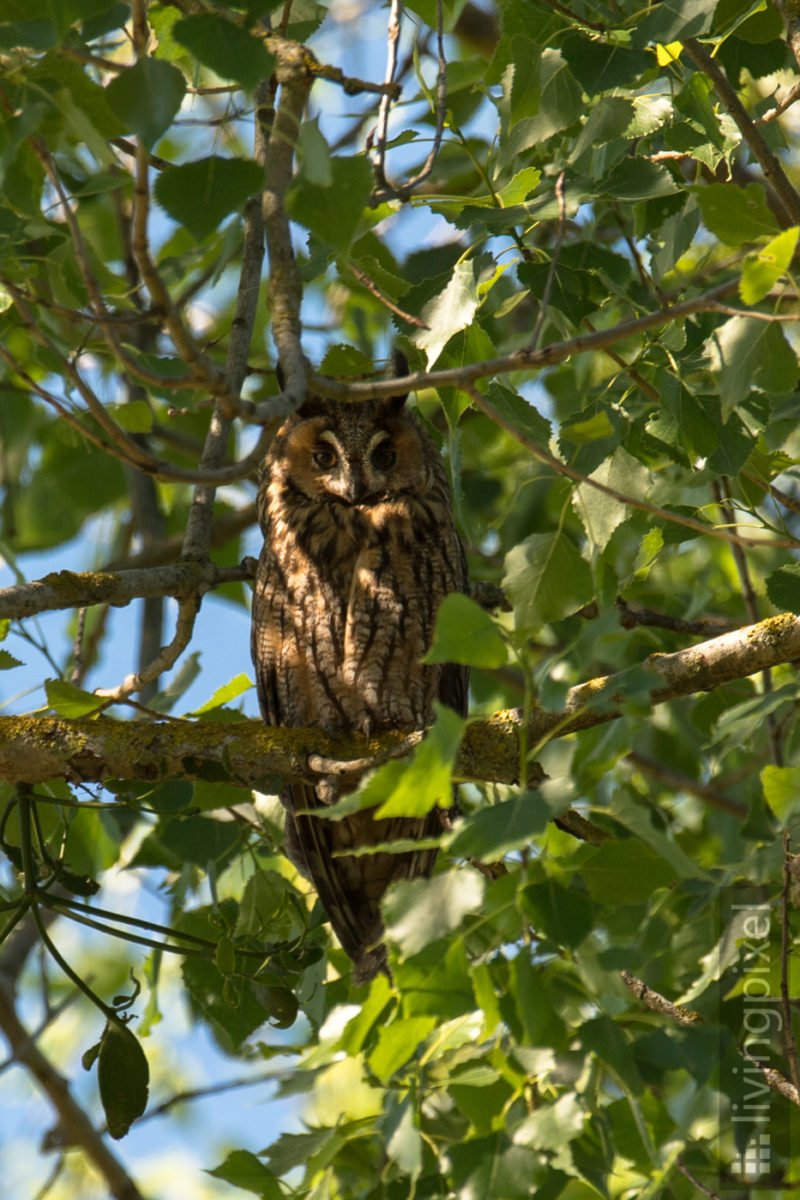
{"x": 332, "y": 766}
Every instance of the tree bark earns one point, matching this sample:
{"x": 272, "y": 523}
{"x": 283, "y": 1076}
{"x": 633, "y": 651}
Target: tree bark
{"x": 35, "y": 749}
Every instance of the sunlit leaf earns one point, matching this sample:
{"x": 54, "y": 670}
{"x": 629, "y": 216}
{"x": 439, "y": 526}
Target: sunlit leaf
{"x": 70, "y": 701}
{"x": 546, "y": 579}
{"x": 465, "y": 633}
{"x": 422, "y": 910}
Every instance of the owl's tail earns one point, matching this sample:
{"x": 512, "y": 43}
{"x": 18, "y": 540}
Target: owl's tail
{"x": 351, "y": 887}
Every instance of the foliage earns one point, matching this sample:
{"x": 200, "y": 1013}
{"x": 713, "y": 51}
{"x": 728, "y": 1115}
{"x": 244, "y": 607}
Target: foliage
{"x": 605, "y": 221}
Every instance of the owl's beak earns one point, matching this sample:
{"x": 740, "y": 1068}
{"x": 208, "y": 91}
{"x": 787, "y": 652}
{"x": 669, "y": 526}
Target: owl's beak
{"x": 355, "y": 491}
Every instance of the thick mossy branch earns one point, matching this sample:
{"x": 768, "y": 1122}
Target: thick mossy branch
{"x": 34, "y": 749}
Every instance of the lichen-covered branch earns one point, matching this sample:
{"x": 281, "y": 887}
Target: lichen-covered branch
{"x": 82, "y": 589}
{"x": 34, "y": 749}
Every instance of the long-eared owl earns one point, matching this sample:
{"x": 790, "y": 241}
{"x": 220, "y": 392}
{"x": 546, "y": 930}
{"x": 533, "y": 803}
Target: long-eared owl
{"x": 360, "y": 548}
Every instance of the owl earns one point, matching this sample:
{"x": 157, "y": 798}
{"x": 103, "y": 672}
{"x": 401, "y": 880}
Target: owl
{"x": 360, "y": 548}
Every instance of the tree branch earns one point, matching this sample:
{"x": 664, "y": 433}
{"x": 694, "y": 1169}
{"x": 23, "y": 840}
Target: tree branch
{"x": 773, "y": 171}
{"x": 76, "y": 1128}
{"x": 520, "y": 360}
{"x": 285, "y": 283}
{"x": 35, "y": 749}
{"x": 72, "y": 589}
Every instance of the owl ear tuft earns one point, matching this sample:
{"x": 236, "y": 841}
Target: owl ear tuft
{"x": 393, "y": 405}
{"x": 312, "y": 406}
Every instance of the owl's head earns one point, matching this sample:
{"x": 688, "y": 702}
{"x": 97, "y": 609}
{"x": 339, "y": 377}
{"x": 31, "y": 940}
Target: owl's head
{"x": 353, "y": 454}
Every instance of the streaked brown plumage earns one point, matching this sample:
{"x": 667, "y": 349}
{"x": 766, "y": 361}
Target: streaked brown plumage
{"x": 360, "y": 548}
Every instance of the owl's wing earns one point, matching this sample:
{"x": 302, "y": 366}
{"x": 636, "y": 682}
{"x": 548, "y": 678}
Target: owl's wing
{"x": 454, "y": 687}
{"x": 265, "y": 639}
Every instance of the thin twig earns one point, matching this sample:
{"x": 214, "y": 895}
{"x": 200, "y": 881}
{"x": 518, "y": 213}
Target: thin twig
{"x": 769, "y": 163}
{"x": 374, "y": 290}
{"x": 551, "y": 273}
{"x": 631, "y": 618}
{"x": 544, "y": 456}
{"x": 701, "y": 1187}
{"x": 780, "y": 108}
{"x": 722, "y": 496}
{"x": 575, "y": 18}
{"x": 166, "y": 658}
{"x": 787, "y": 1031}
{"x": 678, "y": 781}
{"x": 658, "y": 1003}
{"x": 385, "y": 188}
{"x": 521, "y": 360}
{"x": 385, "y": 107}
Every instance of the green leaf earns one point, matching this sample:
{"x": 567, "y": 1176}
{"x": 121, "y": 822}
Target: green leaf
{"x": 199, "y": 840}
{"x": 558, "y": 913}
{"x": 465, "y": 633}
{"x": 602, "y": 1037}
{"x": 522, "y": 184}
{"x": 70, "y": 701}
{"x": 147, "y": 97}
{"x": 449, "y": 311}
{"x": 397, "y": 1043}
{"x": 636, "y": 818}
{"x": 600, "y": 65}
{"x": 228, "y": 50}
{"x": 343, "y": 361}
{"x": 223, "y": 695}
{"x": 546, "y": 579}
{"x": 783, "y": 588}
{"x": 624, "y": 872}
{"x": 136, "y": 416}
{"x": 200, "y": 194}
{"x": 736, "y": 215}
{"x": 123, "y": 1077}
{"x": 782, "y": 791}
{"x": 8, "y": 662}
{"x": 403, "y": 1138}
{"x": 763, "y": 268}
{"x": 335, "y": 213}
{"x": 514, "y": 410}
{"x": 269, "y": 910}
{"x": 428, "y": 780}
{"x": 404, "y": 789}
{"x": 637, "y": 179}
{"x": 560, "y": 105}
{"x": 490, "y": 833}
{"x": 673, "y": 21}
{"x": 600, "y": 513}
{"x": 746, "y": 354}
{"x": 243, "y": 1170}
{"x": 552, "y": 1126}
{"x": 522, "y": 80}
{"x": 422, "y": 910}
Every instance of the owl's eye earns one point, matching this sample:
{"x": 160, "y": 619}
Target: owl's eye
{"x": 384, "y": 455}
{"x": 325, "y": 456}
